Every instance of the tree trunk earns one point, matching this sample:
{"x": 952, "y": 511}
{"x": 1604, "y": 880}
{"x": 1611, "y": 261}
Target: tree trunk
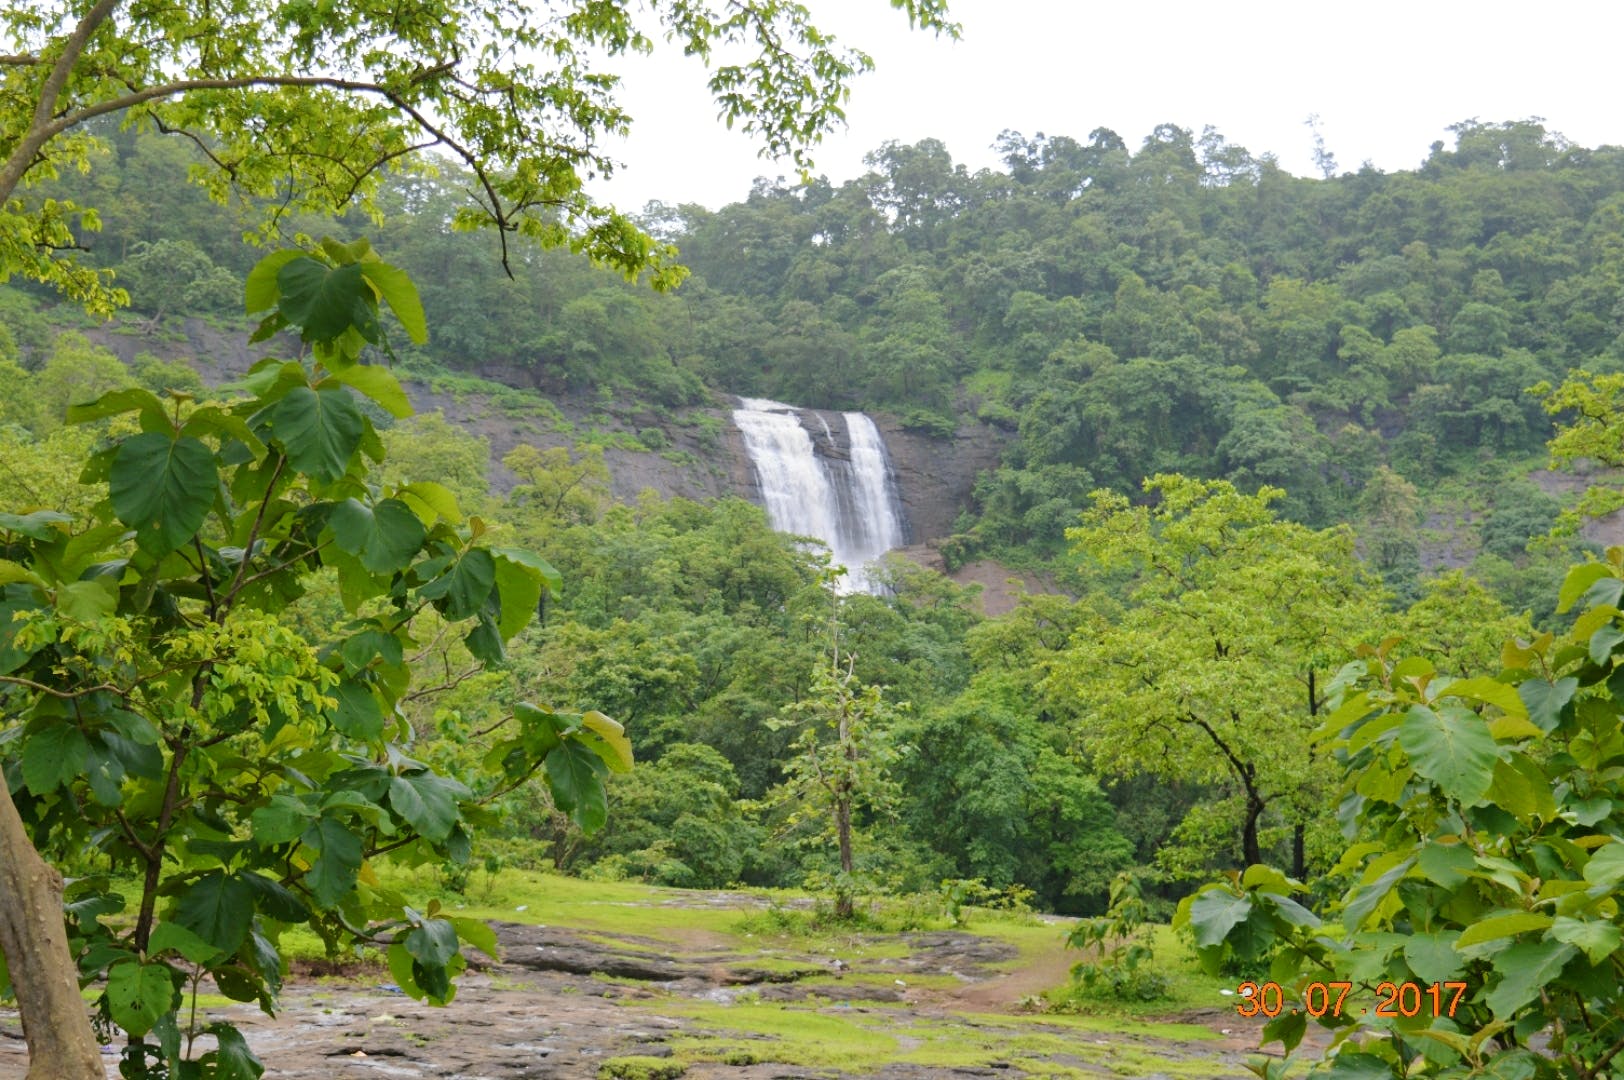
{"x": 843, "y": 801}
{"x": 843, "y": 898}
{"x": 1251, "y": 850}
{"x": 56, "y": 1024}
{"x": 1299, "y": 853}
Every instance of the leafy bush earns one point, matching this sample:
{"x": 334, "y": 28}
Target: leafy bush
{"x": 1485, "y": 847}
{"x": 1119, "y": 944}
{"x": 929, "y": 422}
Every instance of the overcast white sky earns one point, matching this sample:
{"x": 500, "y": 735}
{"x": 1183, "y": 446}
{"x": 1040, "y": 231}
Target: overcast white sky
{"x": 1386, "y": 79}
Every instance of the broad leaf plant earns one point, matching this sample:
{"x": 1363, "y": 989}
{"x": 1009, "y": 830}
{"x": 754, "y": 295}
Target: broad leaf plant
{"x": 166, "y": 724}
{"x": 1485, "y": 827}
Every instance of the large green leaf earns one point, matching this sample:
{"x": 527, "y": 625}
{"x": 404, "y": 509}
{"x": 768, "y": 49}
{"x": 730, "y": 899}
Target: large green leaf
{"x": 1578, "y": 582}
{"x": 40, "y": 525}
{"x": 104, "y": 772}
{"x": 1546, "y": 699}
{"x": 1605, "y": 867}
{"x": 319, "y": 429}
{"x": 217, "y": 908}
{"x": 1597, "y": 938}
{"x": 432, "y": 501}
{"x": 231, "y": 1059}
{"x": 1521, "y": 789}
{"x": 173, "y": 937}
{"x": 549, "y": 575}
{"x": 53, "y": 756}
{"x": 324, "y": 301}
{"x": 401, "y": 967}
{"x": 1433, "y": 957}
{"x": 1490, "y": 691}
{"x": 1591, "y": 811}
{"x": 1452, "y": 747}
{"x": 338, "y": 861}
{"x": 261, "y": 290}
{"x": 162, "y": 488}
{"x": 358, "y": 713}
{"x": 400, "y": 294}
{"x": 385, "y": 536}
{"x": 575, "y": 776}
{"x": 115, "y": 402}
{"x": 613, "y": 737}
{"x": 213, "y": 420}
{"x": 1446, "y": 864}
{"x": 1496, "y": 927}
{"x": 138, "y": 994}
{"x": 1368, "y": 897}
{"x": 379, "y": 384}
{"x": 484, "y": 641}
{"x": 519, "y": 587}
{"x": 280, "y": 821}
{"x": 433, "y": 943}
{"x": 1602, "y": 643}
{"x": 276, "y": 901}
{"x": 479, "y": 935}
{"x": 359, "y": 650}
{"x": 428, "y": 802}
{"x": 463, "y": 589}
{"x": 1216, "y": 912}
{"x": 1524, "y": 970}
{"x": 88, "y": 601}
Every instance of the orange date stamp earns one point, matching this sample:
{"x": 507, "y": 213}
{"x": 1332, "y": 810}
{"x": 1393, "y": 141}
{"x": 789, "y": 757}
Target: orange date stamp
{"x": 1406, "y": 999}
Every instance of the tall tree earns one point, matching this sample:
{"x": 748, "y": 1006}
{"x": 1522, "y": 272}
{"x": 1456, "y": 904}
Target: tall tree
{"x": 841, "y": 760}
{"x": 162, "y": 713}
{"x": 1218, "y": 668}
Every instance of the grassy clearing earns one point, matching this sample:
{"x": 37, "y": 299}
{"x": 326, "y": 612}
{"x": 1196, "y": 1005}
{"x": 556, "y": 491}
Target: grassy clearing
{"x": 775, "y": 936}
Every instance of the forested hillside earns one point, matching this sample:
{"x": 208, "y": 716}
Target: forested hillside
{"x": 1364, "y": 340}
{"x": 1254, "y": 422}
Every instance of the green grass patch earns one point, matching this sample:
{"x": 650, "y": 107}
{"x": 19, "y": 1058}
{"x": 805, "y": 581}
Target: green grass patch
{"x": 863, "y": 1039}
{"x": 638, "y": 1067}
{"x": 611, "y": 907}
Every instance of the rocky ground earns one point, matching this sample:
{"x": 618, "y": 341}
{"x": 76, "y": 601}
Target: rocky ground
{"x": 565, "y": 1004}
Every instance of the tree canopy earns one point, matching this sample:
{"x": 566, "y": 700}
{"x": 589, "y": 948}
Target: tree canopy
{"x": 304, "y": 107}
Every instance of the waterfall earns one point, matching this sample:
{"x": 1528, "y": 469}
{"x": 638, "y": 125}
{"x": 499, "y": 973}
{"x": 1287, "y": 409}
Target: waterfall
{"x": 849, "y": 501}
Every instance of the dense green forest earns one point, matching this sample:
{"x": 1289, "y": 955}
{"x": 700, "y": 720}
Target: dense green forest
{"x": 1241, "y": 409}
{"x": 1180, "y": 307}
{"x": 1364, "y": 342}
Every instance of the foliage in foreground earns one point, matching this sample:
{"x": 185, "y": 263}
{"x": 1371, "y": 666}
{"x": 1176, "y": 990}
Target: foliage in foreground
{"x": 1486, "y": 856}
{"x": 175, "y": 722}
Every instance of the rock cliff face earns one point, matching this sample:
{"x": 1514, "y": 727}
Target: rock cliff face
{"x": 704, "y": 456}
{"x": 936, "y": 477}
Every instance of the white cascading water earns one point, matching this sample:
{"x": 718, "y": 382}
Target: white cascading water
{"x": 851, "y": 505}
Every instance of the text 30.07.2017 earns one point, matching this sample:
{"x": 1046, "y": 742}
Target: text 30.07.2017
{"x": 1331, "y": 999}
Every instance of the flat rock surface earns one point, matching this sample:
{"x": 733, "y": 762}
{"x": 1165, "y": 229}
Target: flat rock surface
{"x": 562, "y": 1003}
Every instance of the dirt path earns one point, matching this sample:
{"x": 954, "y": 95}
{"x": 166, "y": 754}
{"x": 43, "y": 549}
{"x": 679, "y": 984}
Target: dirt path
{"x": 1004, "y": 992}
